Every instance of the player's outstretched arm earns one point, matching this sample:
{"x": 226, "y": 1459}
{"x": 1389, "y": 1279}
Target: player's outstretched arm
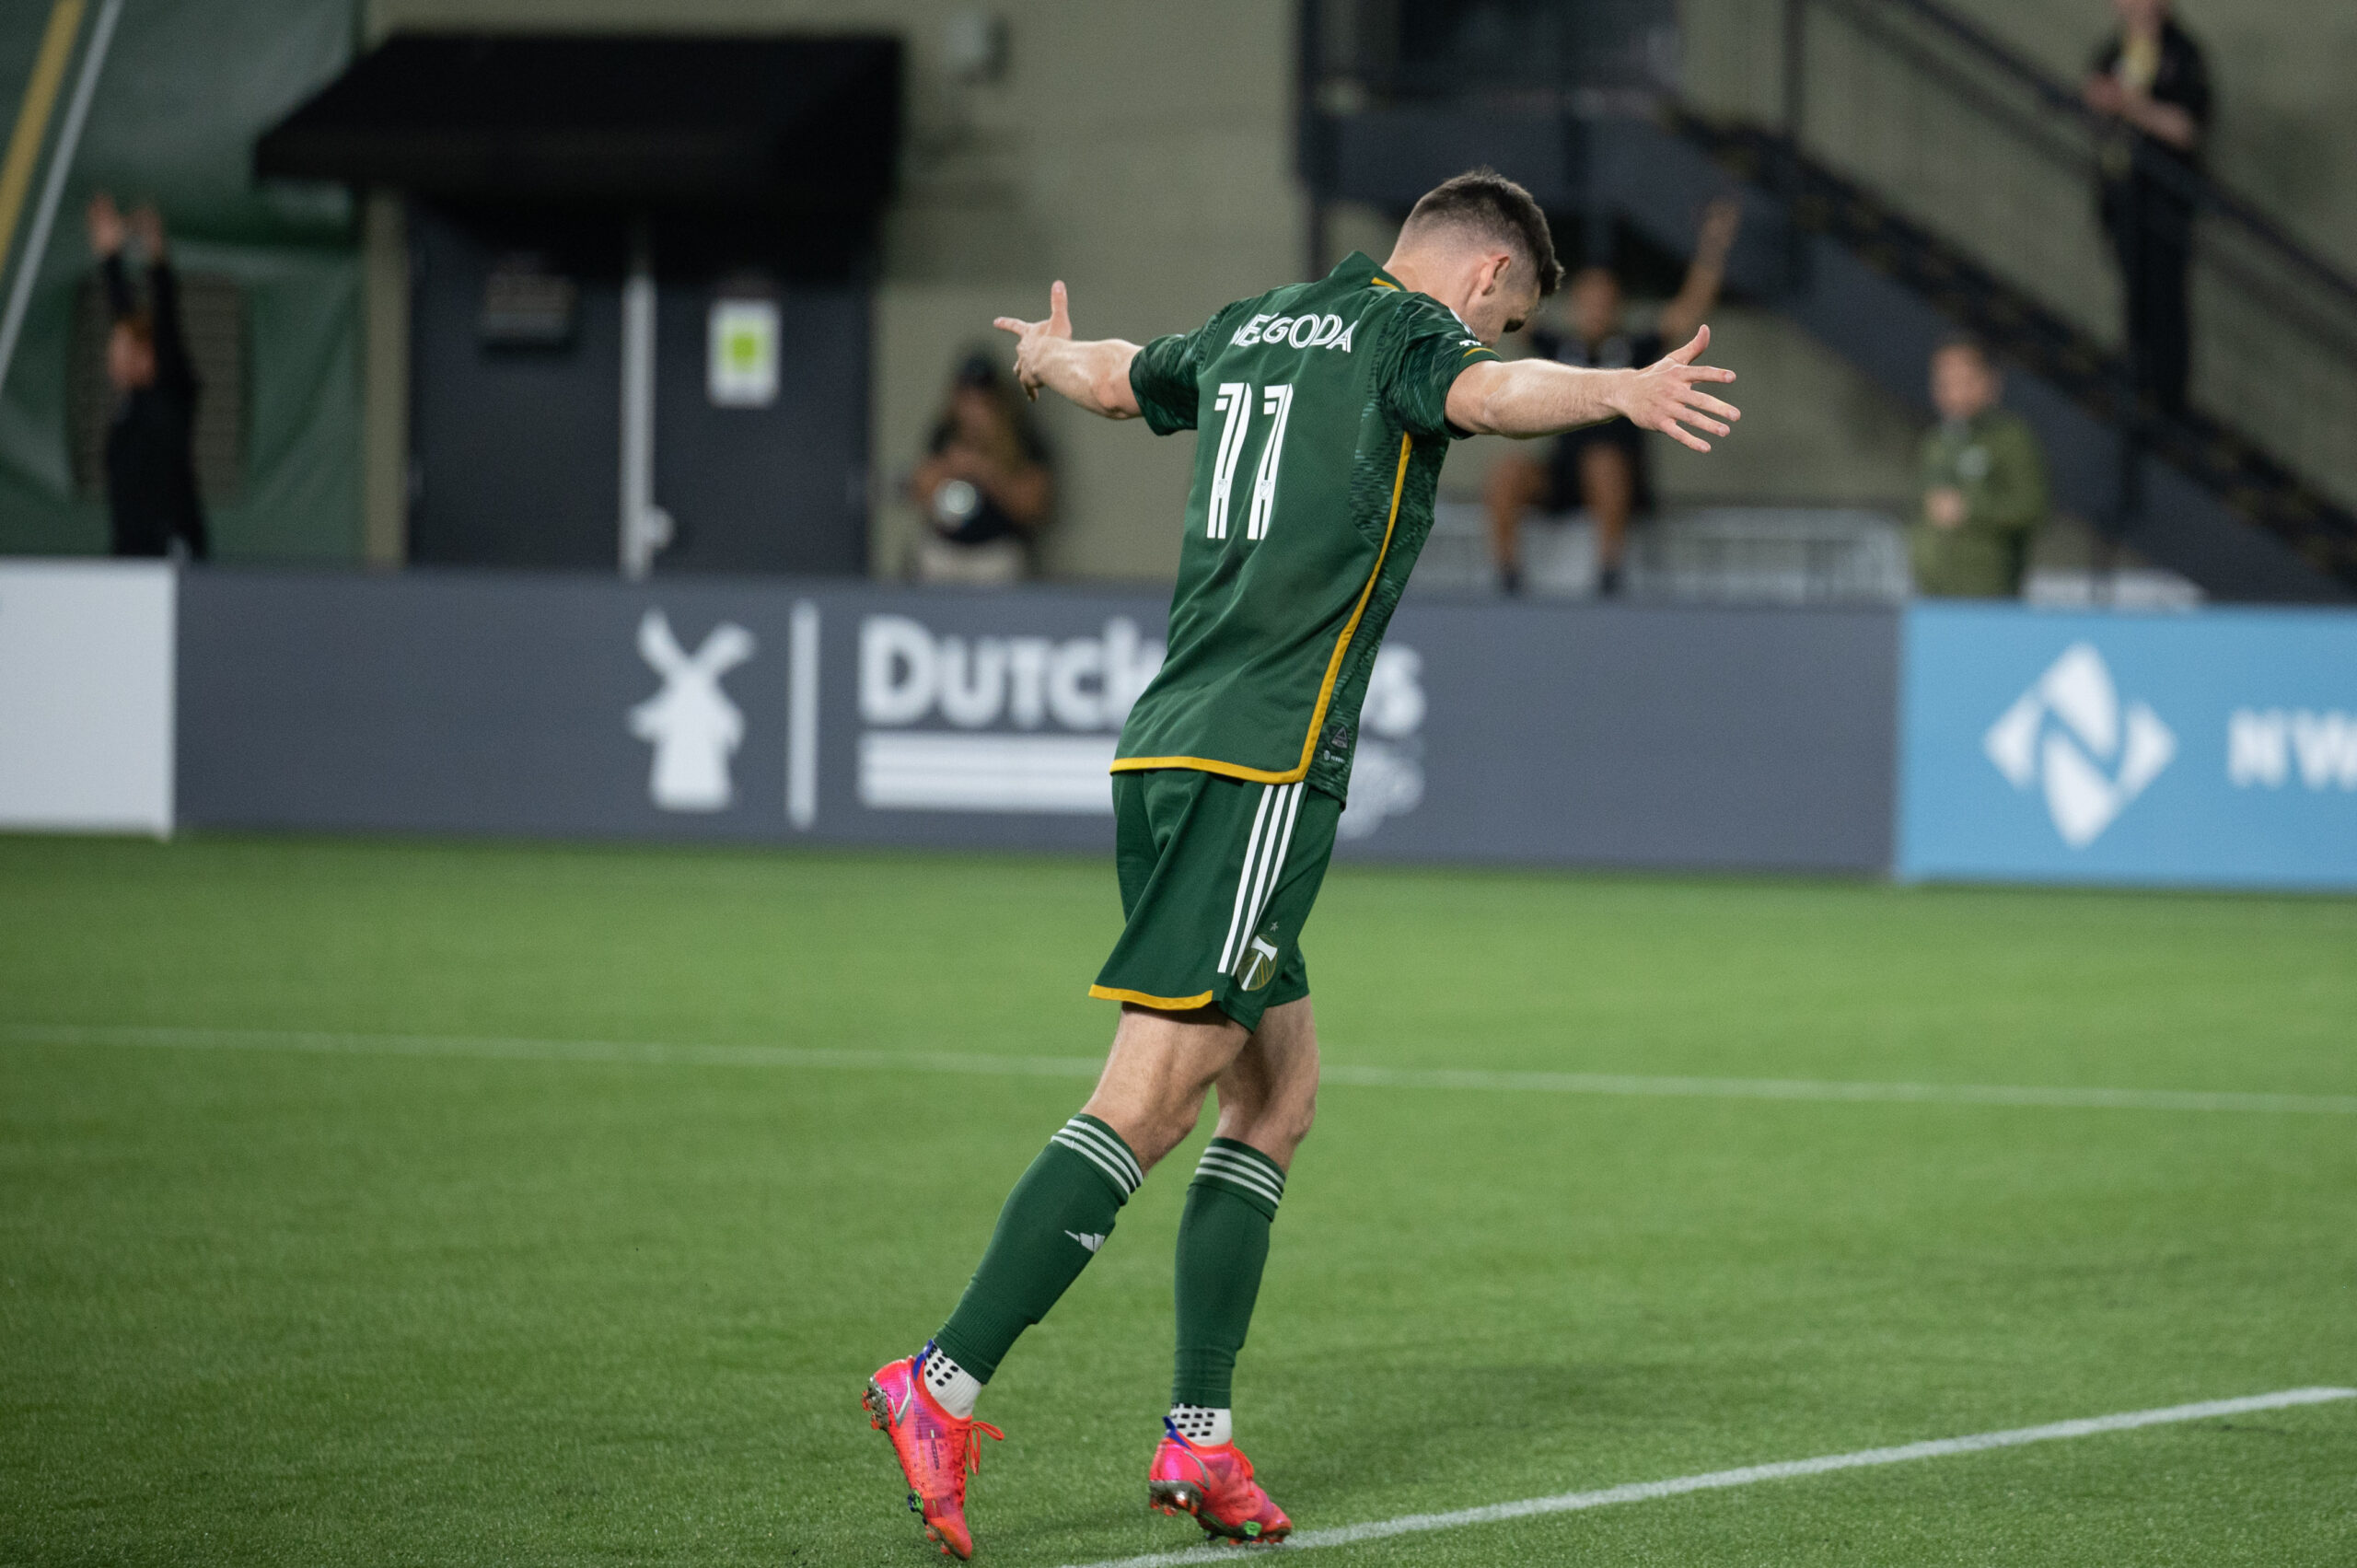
{"x": 1096, "y": 373}
{"x": 1539, "y": 397}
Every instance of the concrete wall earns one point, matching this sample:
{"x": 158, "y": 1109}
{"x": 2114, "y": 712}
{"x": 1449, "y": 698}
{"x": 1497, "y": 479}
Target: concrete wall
{"x": 2286, "y": 93}
{"x": 1142, "y": 153}
{"x": 2285, "y": 75}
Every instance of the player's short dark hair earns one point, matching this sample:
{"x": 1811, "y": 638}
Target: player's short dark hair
{"x": 1490, "y": 204}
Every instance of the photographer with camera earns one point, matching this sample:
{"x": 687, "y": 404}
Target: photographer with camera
{"x": 984, "y": 486}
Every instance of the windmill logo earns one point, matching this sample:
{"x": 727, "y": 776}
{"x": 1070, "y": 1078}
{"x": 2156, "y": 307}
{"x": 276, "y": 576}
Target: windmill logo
{"x": 2070, "y": 734}
{"x": 693, "y": 726}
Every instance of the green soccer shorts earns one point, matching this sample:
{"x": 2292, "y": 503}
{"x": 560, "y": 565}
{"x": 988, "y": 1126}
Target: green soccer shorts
{"x": 1217, "y": 879}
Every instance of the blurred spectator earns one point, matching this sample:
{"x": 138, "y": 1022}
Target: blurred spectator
{"x": 984, "y": 486}
{"x": 2150, "y": 84}
{"x": 1984, "y": 483}
{"x": 1602, "y": 467}
{"x": 150, "y": 458}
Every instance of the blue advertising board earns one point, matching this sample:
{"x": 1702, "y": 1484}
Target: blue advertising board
{"x": 2215, "y": 747}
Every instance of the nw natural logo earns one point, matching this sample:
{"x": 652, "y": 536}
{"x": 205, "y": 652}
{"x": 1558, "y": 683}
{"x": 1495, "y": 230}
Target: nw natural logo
{"x": 695, "y": 729}
{"x": 2068, "y": 731}
{"x": 1092, "y": 1242}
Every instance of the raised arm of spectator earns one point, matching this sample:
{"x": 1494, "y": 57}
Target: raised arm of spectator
{"x": 1721, "y": 220}
{"x": 107, "y": 233}
{"x": 173, "y": 366}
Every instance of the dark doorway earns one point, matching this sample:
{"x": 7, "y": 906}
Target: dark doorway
{"x": 517, "y": 377}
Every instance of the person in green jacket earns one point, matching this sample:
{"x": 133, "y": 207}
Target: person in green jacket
{"x": 1984, "y": 483}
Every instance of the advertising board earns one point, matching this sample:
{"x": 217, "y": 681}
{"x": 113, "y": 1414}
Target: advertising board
{"x": 86, "y": 695}
{"x": 848, "y": 714}
{"x": 2218, "y": 748}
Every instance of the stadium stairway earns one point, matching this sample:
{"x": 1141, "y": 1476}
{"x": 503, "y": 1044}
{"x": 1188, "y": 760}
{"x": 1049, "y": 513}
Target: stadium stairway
{"x": 2195, "y": 494}
{"x": 1881, "y": 289}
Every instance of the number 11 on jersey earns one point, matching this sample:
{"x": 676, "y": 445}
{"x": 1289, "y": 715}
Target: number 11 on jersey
{"x": 1235, "y": 400}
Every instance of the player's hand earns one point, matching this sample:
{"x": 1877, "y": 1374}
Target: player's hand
{"x": 1036, "y": 339}
{"x": 1667, "y": 392}
{"x": 1945, "y": 505}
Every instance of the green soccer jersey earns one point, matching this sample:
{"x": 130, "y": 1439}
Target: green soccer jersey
{"x": 1323, "y": 412}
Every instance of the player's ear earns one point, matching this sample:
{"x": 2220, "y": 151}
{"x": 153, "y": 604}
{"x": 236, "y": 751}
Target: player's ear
{"x": 1501, "y": 267}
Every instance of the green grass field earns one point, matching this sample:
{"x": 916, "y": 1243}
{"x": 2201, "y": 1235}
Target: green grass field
{"x": 348, "y": 1281}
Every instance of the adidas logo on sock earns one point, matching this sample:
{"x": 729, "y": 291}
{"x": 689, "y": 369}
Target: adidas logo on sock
{"x": 1091, "y": 1242}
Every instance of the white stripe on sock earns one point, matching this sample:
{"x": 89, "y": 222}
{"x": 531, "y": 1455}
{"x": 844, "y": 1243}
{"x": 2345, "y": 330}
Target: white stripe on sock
{"x": 1260, "y": 1169}
{"x": 1111, "y": 1144}
{"x": 1241, "y": 1174}
{"x": 1255, "y": 1162}
{"x": 1099, "y": 1161}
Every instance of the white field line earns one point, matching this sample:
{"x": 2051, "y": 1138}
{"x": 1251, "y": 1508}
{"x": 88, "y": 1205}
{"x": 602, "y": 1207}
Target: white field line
{"x": 1647, "y": 1491}
{"x": 658, "y": 1053}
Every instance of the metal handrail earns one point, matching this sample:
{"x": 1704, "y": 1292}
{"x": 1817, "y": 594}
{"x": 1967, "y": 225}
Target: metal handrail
{"x": 2201, "y": 189}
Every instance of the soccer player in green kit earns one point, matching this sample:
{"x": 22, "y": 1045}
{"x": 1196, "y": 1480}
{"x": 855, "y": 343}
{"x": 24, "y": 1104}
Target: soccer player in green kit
{"x": 1325, "y": 411}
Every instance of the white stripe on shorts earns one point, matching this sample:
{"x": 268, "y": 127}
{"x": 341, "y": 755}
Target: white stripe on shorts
{"x": 1244, "y": 879}
{"x": 1276, "y": 862}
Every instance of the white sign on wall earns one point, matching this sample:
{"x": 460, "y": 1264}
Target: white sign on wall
{"x": 86, "y": 695}
{"x": 742, "y": 371}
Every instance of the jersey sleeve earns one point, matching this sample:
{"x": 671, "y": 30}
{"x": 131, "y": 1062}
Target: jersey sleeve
{"x": 1167, "y": 376}
{"x": 1425, "y": 354}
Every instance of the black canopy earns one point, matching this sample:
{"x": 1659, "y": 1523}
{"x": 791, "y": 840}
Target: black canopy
{"x": 800, "y": 125}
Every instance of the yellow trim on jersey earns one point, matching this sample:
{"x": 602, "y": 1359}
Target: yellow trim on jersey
{"x": 1471, "y": 352}
{"x": 1163, "y": 1004}
{"x": 1206, "y": 765}
{"x": 1383, "y": 283}
{"x": 1333, "y": 669}
{"x": 1350, "y": 630}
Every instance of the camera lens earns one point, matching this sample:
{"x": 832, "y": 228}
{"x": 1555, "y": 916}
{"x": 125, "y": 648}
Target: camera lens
{"x": 955, "y": 504}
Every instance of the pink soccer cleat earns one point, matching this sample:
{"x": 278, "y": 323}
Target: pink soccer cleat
{"x": 937, "y": 1450}
{"x": 1216, "y": 1486}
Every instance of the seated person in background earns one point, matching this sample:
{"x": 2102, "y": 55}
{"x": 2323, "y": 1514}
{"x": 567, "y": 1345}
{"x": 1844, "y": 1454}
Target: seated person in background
{"x": 985, "y": 486}
{"x": 151, "y": 440}
{"x": 1984, "y": 483}
{"x": 1602, "y": 468}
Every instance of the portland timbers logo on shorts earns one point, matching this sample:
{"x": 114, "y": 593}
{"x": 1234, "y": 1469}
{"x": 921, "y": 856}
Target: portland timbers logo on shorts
{"x": 1260, "y": 965}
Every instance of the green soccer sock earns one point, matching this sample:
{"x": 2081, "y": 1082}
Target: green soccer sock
{"x": 1223, "y": 1245}
{"x": 1054, "y": 1221}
